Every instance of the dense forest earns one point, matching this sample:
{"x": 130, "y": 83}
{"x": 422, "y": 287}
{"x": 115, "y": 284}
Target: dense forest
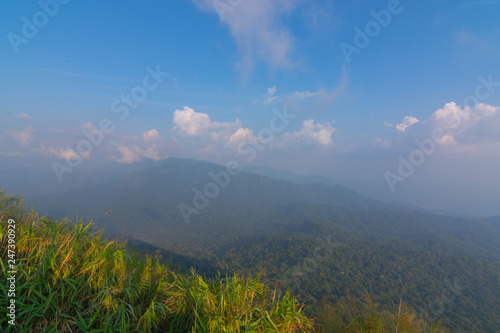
{"x": 331, "y": 273}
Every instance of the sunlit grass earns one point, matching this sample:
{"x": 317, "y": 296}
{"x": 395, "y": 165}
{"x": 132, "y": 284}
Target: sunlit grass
{"x": 72, "y": 280}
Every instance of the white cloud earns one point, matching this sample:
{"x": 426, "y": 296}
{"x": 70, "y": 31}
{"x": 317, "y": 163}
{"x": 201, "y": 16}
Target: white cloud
{"x": 134, "y": 153}
{"x": 320, "y": 134}
{"x": 24, "y": 137}
{"x": 241, "y": 135}
{"x": 192, "y": 123}
{"x": 387, "y": 124}
{"x": 257, "y": 28}
{"x": 480, "y": 123}
{"x": 62, "y": 153}
{"x": 407, "y": 122}
{"x": 129, "y": 154}
{"x": 453, "y": 116}
{"x": 151, "y": 135}
{"x": 23, "y": 116}
{"x": 455, "y": 128}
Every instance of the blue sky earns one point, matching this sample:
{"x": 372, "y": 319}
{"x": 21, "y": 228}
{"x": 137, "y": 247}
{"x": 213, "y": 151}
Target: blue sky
{"x": 230, "y": 63}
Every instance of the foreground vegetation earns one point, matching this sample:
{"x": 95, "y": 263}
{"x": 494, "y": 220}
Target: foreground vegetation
{"x": 70, "y": 280}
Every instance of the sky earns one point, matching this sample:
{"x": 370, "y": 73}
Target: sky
{"x": 399, "y": 100}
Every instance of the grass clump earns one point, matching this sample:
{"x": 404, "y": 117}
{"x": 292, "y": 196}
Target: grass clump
{"x": 69, "y": 279}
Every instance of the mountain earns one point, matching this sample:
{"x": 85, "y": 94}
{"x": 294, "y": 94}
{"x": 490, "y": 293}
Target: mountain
{"x": 152, "y": 198}
{"x": 290, "y": 176}
{"x": 365, "y": 188}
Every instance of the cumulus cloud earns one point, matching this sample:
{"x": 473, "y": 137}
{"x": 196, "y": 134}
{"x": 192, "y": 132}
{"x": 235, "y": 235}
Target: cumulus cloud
{"x": 257, "y": 29}
{"x": 133, "y": 148}
{"x": 151, "y": 135}
{"x": 129, "y": 154}
{"x": 311, "y": 133}
{"x": 192, "y": 123}
{"x": 134, "y": 153}
{"x": 458, "y": 118}
{"x": 407, "y": 122}
{"x": 241, "y": 135}
{"x": 479, "y": 123}
{"x": 455, "y": 127}
{"x": 24, "y": 137}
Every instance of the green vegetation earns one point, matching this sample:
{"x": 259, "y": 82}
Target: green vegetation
{"x": 319, "y": 272}
{"x": 71, "y": 280}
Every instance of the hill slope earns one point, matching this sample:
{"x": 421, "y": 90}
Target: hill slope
{"x": 69, "y": 280}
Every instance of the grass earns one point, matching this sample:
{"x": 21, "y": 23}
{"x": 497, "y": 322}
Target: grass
{"x": 69, "y": 279}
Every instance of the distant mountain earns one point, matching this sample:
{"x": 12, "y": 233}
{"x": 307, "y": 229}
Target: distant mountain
{"x": 152, "y": 198}
{"x": 359, "y": 186}
{"x": 495, "y": 220}
{"x": 290, "y": 176}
